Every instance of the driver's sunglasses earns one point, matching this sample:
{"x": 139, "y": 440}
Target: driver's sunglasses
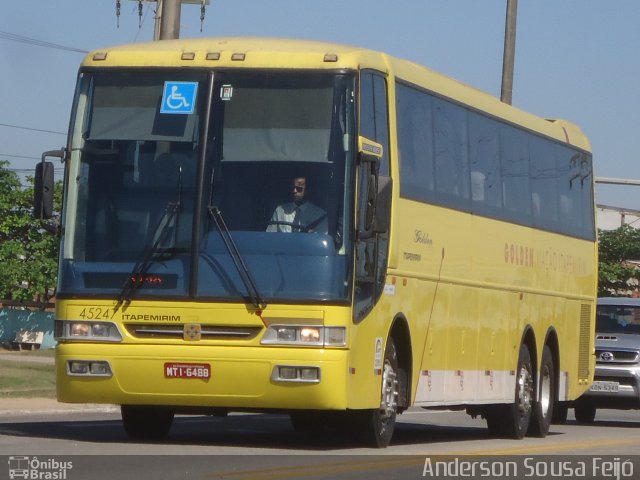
{"x": 298, "y": 188}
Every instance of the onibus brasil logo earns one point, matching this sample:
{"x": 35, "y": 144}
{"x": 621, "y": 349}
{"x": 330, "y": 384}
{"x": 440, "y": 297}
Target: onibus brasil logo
{"x": 38, "y": 469}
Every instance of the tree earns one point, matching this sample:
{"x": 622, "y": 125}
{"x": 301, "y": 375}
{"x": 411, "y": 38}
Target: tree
{"x": 615, "y": 248}
{"x": 28, "y": 248}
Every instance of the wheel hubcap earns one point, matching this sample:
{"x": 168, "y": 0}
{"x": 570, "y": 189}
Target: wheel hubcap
{"x": 389, "y": 401}
{"x": 545, "y": 390}
{"x": 525, "y": 391}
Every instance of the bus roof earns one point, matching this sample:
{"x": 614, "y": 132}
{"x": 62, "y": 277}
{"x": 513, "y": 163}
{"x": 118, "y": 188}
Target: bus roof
{"x": 259, "y": 52}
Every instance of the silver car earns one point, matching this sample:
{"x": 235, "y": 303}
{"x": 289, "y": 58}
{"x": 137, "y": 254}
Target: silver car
{"x": 617, "y": 376}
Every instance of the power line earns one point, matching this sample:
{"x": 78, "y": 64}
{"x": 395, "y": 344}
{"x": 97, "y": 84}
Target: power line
{"x": 37, "y": 43}
{"x": 19, "y": 156}
{"x": 31, "y": 129}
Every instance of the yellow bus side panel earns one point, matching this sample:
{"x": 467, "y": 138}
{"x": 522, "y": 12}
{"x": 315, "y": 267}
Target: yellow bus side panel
{"x": 475, "y": 285}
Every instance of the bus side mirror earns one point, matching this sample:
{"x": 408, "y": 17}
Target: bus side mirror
{"x": 43, "y": 191}
{"x": 43, "y": 186}
{"x": 382, "y": 216}
{"x": 377, "y": 194}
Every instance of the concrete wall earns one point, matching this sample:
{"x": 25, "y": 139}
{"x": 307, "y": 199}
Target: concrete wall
{"x": 13, "y": 321}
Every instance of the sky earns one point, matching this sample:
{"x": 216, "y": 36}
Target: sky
{"x": 575, "y": 59}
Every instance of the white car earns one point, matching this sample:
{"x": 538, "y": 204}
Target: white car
{"x": 617, "y": 376}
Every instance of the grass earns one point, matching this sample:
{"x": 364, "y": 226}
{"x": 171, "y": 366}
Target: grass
{"x": 27, "y": 379}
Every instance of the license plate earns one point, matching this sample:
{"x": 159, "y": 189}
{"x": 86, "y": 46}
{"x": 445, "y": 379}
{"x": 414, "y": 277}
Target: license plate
{"x": 201, "y": 371}
{"x": 600, "y": 386}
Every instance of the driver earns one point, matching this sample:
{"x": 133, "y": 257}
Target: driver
{"x": 299, "y": 215}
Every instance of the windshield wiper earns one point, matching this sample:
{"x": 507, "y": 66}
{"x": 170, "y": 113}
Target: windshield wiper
{"x": 155, "y": 248}
{"x": 234, "y": 253}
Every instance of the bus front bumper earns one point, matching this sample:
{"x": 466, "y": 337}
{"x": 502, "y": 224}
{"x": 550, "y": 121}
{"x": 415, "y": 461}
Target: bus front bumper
{"x": 258, "y": 378}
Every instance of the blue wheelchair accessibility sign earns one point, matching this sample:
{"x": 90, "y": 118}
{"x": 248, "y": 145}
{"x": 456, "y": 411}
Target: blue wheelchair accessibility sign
{"x": 179, "y": 97}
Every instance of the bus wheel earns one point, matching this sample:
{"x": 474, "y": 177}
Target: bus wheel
{"x": 145, "y": 422}
{"x": 543, "y": 409}
{"x": 512, "y": 421}
{"x": 375, "y": 426}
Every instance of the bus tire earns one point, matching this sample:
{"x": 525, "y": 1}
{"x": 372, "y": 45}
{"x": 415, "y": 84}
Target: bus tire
{"x": 375, "y": 426}
{"x": 542, "y": 412}
{"x": 146, "y": 422}
{"x": 512, "y": 421}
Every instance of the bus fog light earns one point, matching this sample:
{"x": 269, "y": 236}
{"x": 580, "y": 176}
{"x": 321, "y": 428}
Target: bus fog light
{"x": 100, "y": 368}
{"x": 89, "y": 368}
{"x": 288, "y": 373}
{"x": 299, "y": 374}
{"x": 309, "y": 373}
{"x": 79, "y": 368}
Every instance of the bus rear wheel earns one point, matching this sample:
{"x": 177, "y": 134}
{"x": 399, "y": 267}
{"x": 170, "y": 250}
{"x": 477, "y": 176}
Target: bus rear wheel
{"x": 375, "y": 426}
{"x": 146, "y": 422}
{"x": 543, "y": 408}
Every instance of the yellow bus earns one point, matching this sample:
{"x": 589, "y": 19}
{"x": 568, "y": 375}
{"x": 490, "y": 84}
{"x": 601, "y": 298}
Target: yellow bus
{"x": 256, "y": 224}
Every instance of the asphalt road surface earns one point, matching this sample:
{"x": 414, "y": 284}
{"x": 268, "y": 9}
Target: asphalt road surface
{"x": 71, "y": 443}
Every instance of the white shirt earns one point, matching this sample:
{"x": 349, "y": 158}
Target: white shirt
{"x": 310, "y": 218}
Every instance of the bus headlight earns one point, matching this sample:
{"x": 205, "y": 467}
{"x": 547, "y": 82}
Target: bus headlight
{"x": 69, "y": 330}
{"x": 305, "y": 335}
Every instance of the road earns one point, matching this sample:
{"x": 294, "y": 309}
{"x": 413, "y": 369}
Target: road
{"x": 243, "y": 446}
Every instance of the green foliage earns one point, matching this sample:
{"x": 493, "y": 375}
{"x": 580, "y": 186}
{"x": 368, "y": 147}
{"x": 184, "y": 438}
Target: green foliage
{"x": 614, "y": 249}
{"x": 28, "y": 248}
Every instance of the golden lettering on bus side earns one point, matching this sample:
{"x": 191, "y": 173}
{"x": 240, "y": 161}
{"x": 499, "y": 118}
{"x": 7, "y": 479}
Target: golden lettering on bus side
{"x": 422, "y": 237}
{"x": 546, "y": 258}
{"x": 519, "y": 255}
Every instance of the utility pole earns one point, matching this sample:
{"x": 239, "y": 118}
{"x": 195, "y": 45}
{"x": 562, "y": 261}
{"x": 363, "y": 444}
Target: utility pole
{"x": 168, "y": 20}
{"x": 509, "y": 53}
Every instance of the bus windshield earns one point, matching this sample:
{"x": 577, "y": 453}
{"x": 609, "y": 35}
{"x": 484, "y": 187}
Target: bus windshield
{"x": 183, "y": 184}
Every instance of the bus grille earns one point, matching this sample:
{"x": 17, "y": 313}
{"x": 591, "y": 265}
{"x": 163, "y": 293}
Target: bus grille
{"x": 583, "y": 347}
{"x": 207, "y": 332}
